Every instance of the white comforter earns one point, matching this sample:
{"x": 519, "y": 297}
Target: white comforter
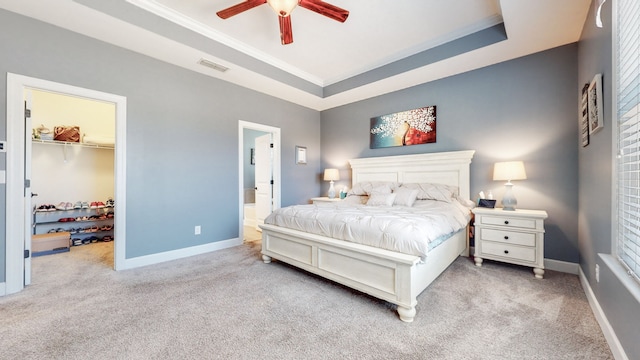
{"x": 408, "y": 230}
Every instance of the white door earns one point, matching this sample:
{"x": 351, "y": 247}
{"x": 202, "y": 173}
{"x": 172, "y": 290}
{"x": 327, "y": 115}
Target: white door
{"x": 28, "y": 212}
{"x": 263, "y": 178}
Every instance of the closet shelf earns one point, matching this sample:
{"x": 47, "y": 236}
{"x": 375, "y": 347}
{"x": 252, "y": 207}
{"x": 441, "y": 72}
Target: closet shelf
{"x": 63, "y": 143}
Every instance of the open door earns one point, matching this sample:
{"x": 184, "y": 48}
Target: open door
{"x": 263, "y": 178}
{"x": 28, "y": 211}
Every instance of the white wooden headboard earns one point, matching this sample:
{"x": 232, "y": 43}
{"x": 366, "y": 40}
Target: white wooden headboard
{"x": 450, "y": 168}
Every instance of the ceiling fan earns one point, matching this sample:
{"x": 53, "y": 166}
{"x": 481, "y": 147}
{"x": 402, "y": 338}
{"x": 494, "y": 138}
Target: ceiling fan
{"x": 284, "y": 8}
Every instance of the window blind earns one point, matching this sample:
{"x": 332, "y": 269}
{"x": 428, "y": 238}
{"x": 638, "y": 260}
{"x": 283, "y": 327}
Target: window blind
{"x": 628, "y": 121}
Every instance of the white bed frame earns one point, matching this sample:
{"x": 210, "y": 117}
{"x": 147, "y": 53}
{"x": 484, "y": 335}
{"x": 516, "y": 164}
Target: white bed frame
{"x": 388, "y": 275}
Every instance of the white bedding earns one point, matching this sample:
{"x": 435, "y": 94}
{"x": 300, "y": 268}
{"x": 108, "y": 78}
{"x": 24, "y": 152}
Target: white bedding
{"x": 408, "y": 230}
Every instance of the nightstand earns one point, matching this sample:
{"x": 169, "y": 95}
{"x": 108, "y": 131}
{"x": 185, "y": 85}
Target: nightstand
{"x": 324, "y": 199}
{"x": 515, "y": 237}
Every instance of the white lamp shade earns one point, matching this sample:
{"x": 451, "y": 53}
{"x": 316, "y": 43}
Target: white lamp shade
{"x": 509, "y": 170}
{"x": 331, "y": 175}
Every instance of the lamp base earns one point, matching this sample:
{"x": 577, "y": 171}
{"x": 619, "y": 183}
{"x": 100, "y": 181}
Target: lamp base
{"x": 332, "y": 191}
{"x": 509, "y": 201}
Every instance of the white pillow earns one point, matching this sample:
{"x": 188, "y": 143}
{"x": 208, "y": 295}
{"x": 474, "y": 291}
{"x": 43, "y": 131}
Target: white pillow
{"x": 356, "y": 199}
{"x": 379, "y": 190}
{"x": 405, "y": 197}
{"x": 365, "y": 187}
{"x": 381, "y": 199}
{"x": 438, "y": 192}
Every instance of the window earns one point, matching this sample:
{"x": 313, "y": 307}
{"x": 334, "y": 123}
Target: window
{"x": 627, "y": 46}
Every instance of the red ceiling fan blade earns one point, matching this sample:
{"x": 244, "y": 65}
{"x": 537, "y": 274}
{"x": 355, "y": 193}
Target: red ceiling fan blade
{"x": 238, "y": 8}
{"x": 326, "y": 9}
{"x": 286, "y": 33}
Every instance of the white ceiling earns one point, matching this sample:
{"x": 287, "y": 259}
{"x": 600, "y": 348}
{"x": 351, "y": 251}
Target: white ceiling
{"x": 324, "y": 51}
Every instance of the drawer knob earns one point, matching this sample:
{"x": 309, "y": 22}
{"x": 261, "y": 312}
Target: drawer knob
{"x": 506, "y": 222}
{"x": 506, "y": 251}
{"x": 506, "y": 237}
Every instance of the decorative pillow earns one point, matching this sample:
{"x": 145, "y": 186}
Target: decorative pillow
{"x": 356, "y": 199}
{"x": 437, "y": 192}
{"x": 365, "y": 187}
{"x": 380, "y": 190}
{"x": 405, "y": 197}
{"x": 381, "y": 199}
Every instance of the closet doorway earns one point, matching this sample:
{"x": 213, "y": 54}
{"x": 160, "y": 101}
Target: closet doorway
{"x": 72, "y": 175}
{"x": 19, "y": 210}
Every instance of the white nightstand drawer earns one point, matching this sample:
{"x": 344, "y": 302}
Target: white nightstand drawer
{"x": 509, "y": 222}
{"x": 509, "y": 237}
{"x": 509, "y": 251}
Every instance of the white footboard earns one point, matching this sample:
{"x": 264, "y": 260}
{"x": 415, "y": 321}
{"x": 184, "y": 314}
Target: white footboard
{"x": 387, "y": 275}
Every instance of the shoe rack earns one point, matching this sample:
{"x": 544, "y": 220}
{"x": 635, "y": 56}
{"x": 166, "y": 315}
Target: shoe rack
{"x": 85, "y": 225}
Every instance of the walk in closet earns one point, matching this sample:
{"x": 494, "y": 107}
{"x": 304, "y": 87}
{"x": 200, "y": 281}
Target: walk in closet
{"x": 72, "y": 180}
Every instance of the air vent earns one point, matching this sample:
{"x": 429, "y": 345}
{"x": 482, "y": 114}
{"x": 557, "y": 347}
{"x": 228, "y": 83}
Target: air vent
{"x": 211, "y": 64}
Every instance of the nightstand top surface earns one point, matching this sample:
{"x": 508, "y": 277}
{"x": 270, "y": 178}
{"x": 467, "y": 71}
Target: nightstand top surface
{"x": 515, "y": 213}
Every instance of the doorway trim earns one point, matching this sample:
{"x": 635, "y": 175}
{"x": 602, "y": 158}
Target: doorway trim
{"x": 15, "y": 233}
{"x": 277, "y": 178}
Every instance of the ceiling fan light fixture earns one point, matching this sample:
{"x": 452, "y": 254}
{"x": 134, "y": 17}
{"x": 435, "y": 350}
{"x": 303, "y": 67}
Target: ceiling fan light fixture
{"x": 283, "y": 7}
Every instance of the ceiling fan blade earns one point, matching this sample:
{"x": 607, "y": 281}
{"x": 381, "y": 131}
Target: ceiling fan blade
{"x": 326, "y": 9}
{"x": 286, "y": 33}
{"x": 238, "y": 8}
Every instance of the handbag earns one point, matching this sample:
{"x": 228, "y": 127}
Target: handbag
{"x": 66, "y": 133}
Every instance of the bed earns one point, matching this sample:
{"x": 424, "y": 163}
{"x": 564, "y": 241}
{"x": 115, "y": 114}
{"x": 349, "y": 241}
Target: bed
{"x": 388, "y": 275}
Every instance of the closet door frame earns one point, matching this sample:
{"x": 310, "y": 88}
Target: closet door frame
{"x": 16, "y": 151}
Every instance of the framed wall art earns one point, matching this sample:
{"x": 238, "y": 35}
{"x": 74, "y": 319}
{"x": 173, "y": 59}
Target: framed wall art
{"x": 594, "y": 98}
{"x": 411, "y": 127}
{"x": 584, "y": 116}
{"x": 301, "y": 155}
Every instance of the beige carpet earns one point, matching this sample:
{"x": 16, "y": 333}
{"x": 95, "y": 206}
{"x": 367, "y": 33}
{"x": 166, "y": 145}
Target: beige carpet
{"x": 230, "y": 305}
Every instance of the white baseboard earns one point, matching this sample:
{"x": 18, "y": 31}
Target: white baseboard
{"x": 249, "y": 222}
{"x": 3, "y": 289}
{"x": 178, "y": 254}
{"x": 607, "y": 330}
{"x": 562, "y": 266}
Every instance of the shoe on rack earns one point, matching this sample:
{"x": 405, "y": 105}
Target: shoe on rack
{"x": 101, "y": 205}
{"x": 61, "y": 206}
{"x": 85, "y": 205}
{"x": 94, "y": 205}
{"x": 86, "y": 241}
{"x": 110, "y": 203}
{"x": 68, "y": 206}
{"x": 107, "y": 238}
{"x": 52, "y": 207}
{"x": 43, "y": 208}
{"x": 77, "y": 205}
{"x": 76, "y": 242}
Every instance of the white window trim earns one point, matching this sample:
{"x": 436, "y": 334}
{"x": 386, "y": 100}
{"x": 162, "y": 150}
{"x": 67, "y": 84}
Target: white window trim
{"x": 623, "y": 271}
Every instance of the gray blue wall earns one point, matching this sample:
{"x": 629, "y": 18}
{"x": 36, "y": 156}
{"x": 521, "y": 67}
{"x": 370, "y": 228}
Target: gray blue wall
{"x": 524, "y": 109}
{"x": 182, "y": 133}
{"x": 595, "y": 191}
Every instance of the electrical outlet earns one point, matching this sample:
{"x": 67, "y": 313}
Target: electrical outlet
{"x": 597, "y": 273}
{"x": 198, "y": 230}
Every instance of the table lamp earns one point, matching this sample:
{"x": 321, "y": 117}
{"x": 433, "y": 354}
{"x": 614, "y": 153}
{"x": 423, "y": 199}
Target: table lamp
{"x": 509, "y": 170}
{"x": 331, "y": 175}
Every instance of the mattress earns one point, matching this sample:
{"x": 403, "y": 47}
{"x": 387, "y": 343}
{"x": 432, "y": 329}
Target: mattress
{"x": 409, "y": 230}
